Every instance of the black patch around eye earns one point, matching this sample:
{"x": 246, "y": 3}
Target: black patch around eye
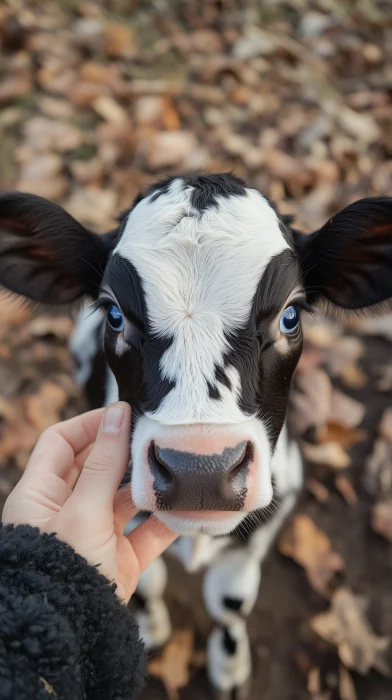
{"x": 123, "y": 279}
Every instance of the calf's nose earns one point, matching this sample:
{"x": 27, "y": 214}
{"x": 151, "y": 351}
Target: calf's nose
{"x": 189, "y": 481}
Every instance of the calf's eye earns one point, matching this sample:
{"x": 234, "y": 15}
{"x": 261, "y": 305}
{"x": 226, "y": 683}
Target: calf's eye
{"x": 115, "y": 318}
{"x": 289, "y": 320}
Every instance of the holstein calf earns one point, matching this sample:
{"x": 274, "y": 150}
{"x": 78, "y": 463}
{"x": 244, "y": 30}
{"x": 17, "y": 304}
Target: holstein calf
{"x": 198, "y": 297}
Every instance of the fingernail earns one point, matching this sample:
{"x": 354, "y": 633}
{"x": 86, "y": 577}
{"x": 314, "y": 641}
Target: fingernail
{"x": 113, "y": 418}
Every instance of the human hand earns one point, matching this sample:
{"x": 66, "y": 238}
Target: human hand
{"x": 70, "y": 487}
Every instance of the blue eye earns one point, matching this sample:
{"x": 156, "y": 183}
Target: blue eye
{"x": 289, "y": 320}
{"x": 115, "y": 318}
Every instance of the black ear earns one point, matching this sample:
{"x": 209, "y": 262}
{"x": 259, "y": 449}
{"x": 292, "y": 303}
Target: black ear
{"x": 46, "y": 255}
{"x": 349, "y": 260}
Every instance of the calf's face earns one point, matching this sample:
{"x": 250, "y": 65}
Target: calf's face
{"x": 203, "y": 285}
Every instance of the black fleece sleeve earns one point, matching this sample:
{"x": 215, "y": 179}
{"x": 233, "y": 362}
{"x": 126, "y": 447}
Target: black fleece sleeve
{"x": 64, "y": 634}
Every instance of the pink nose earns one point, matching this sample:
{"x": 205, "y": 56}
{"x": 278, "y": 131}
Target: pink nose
{"x": 192, "y": 481}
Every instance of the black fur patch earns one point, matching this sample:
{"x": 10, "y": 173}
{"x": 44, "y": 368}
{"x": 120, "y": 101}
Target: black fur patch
{"x": 234, "y": 604}
{"x": 229, "y": 643}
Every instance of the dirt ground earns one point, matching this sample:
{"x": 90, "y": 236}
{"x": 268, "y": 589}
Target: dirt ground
{"x": 99, "y": 99}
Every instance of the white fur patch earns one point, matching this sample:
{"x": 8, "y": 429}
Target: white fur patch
{"x": 199, "y": 274}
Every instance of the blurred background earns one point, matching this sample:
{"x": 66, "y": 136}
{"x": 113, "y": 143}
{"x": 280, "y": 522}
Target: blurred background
{"x": 99, "y": 99}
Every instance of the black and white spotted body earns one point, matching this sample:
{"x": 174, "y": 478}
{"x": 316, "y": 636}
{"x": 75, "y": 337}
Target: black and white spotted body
{"x": 198, "y": 294}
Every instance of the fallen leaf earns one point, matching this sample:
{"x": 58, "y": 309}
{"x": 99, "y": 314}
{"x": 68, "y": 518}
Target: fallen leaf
{"x": 346, "y": 685}
{"x": 311, "y": 400}
{"x": 353, "y": 377}
{"x": 110, "y": 110}
{"x": 319, "y": 491}
{"x": 345, "y": 437}
{"x": 43, "y": 409}
{"x": 315, "y": 686}
{"x": 118, "y": 40}
{"x": 380, "y": 325}
{"x": 385, "y": 427}
{"x": 59, "y": 326}
{"x": 321, "y": 335}
{"x": 44, "y": 134}
{"x": 378, "y": 474}
{"x": 311, "y": 548}
{"x": 13, "y": 312}
{"x": 345, "y": 410}
{"x": 18, "y": 436}
{"x": 326, "y": 454}
{"x": 384, "y": 383}
{"x": 345, "y": 487}
{"x": 47, "y": 687}
{"x": 381, "y": 519}
{"x": 346, "y": 627}
{"x": 346, "y": 350}
{"x": 169, "y": 149}
{"x": 172, "y": 664}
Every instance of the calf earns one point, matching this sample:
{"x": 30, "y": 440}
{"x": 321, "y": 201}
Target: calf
{"x": 198, "y": 296}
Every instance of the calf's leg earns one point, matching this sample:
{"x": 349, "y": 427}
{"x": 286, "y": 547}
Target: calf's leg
{"x": 151, "y": 610}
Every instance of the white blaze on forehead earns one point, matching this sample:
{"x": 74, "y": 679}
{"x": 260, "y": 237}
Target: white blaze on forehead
{"x": 199, "y": 274}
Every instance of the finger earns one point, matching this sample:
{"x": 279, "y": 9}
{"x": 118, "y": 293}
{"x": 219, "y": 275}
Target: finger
{"x": 75, "y": 471}
{"x": 149, "y": 540}
{"x": 124, "y": 508}
{"x": 108, "y": 460}
{"x": 56, "y": 448}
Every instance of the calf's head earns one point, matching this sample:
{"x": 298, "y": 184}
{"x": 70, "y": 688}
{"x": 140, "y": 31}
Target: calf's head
{"x": 203, "y": 285}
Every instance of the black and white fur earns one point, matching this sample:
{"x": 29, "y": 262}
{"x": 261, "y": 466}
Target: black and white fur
{"x": 202, "y": 268}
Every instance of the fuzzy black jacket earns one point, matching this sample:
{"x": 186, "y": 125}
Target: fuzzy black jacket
{"x": 64, "y": 634}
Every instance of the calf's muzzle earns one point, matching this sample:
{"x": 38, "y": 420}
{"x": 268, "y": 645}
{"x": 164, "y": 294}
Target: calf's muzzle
{"x": 188, "y": 481}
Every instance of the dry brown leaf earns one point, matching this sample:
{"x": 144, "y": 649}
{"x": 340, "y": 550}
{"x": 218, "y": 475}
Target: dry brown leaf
{"x": 346, "y": 350}
{"x": 378, "y": 475}
{"x": 346, "y": 685}
{"x": 59, "y": 326}
{"x": 172, "y": 664}
{"x": 321, "y": 335}
{"x": 353, "y": 377}
{"x": 43, "y": 409}
{"x": 315, "y": 686}
{"x": 326, "y": 454}
{"x": 118, "y": 40}
{"x": 44, "y": 134}
{"x": 346, "y": 627}
{"x": 13, "y": 312}
{"x": 345, "y": 487}
{"x": 346, "y": 437}
{"x": 384, "y": 382}
{"x": 385, "y": 427}
{"x": 381, "y": 519}
{"x": 319, "y": 491}
{"x": 170, "y": 148}
{"x": 310, "y": 401}
{"x": 379, "y": 325}
{"x": 48, "y": 687}
{"x": 110, "y": 110}
{"x": 345, "y": 410}
{"x": 18, "y": 436}
{"x": 311, "y": 548}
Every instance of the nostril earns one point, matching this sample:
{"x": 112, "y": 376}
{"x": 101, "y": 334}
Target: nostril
{"x": 239, "y": 469}
{"x": 161, "y": 468}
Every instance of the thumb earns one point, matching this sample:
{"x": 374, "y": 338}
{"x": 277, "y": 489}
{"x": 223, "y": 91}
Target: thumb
{"x": 108, "y": 460}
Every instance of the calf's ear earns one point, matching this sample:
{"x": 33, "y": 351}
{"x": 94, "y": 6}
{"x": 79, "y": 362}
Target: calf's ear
{"x": 348, "y": 262}
{"x": 45, "y": 254}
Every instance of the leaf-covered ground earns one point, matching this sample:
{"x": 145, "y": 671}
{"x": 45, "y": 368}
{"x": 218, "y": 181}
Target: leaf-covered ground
{"x": 98, "y": 100}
